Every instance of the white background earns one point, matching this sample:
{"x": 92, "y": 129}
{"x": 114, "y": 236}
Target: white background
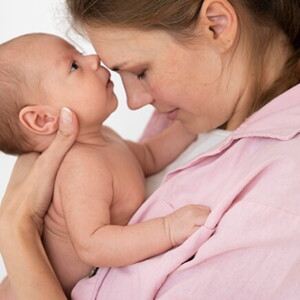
{"x": 18, "y": 17}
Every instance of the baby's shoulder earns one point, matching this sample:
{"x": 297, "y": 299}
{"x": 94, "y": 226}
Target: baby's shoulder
{"x": 112, "y": 136}
{"x": 84, "y": 157}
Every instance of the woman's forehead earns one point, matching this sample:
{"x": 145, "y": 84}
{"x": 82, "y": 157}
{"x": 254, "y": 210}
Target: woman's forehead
{"x": 119, "y": 46}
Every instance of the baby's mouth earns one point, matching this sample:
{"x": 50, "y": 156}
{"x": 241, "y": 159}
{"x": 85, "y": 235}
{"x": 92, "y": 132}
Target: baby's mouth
{"x": 109, "y": 82}
{"x": 172, "y": 114}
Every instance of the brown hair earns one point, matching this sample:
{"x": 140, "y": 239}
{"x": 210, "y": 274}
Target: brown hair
{"x": 262, "y": 20}
{"x": 12, "y": 137}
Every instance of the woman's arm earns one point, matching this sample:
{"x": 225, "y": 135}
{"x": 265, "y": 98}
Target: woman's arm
{"x": 29, "y": 272}
{"x": 21, "y": 217}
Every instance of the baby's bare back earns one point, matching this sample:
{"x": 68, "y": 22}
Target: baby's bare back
{"x": 85, "y": 169}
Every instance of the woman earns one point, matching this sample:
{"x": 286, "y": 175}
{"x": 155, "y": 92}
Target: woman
{"x": 231, "y": 64}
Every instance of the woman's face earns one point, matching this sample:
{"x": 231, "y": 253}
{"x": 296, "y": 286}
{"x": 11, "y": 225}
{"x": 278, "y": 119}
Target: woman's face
{"x": 186, "y": 82}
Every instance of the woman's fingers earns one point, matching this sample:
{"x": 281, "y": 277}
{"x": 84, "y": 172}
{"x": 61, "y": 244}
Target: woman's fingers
{"x": 31, "y": 185}
{"x": 48, "y": 162}
{"x": 65, "y": 137}
{"x": 44, "y": 170}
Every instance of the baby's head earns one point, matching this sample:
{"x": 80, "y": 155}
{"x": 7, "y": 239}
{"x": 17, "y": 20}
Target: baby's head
{"x": 13, "y": 82}
{"x": 39, "y": 74}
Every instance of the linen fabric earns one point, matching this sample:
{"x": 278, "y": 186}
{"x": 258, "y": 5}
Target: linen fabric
{"x": 249, "y": 247}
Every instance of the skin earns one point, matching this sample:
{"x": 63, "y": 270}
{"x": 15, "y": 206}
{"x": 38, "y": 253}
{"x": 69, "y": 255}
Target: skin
{"x": 208, "y": 98}
{"x": 66, "y": 78}
{"x": 22, "y": 207}
{"x": 210, "y": 103}
{"x": 203, "y": 80}
{"x": 105, "y": 173}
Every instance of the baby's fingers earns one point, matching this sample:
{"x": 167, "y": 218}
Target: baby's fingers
{"x": 201, "y": 215}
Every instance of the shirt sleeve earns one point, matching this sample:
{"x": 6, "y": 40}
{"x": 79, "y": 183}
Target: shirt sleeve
{"x": 158, "y": 122}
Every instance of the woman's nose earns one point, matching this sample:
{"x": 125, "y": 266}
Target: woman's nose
{"x": 93, "y": 61}
{"x": 137, "y": 94}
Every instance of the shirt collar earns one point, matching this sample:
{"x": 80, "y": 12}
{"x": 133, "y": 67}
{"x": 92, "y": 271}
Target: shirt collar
{"x": 279, "y": 119}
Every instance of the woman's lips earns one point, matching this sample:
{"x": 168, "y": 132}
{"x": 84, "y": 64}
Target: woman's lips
{"x": 172, "y": 114}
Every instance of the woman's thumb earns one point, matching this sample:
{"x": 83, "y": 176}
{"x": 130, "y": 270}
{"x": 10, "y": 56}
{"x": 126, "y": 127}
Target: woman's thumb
{"x": 68, "y": 126}
{"x": 65, "y": 137}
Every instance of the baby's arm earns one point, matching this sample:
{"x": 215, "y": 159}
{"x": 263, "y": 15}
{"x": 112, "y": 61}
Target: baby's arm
{"x": 157, "y": 152}
{"x": 87, "y": 199}
{"x": 116, "y": 246}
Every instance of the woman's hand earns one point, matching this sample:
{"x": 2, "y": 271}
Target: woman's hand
{"x": 30, "y": 188}
{"x": 22, "y": 210}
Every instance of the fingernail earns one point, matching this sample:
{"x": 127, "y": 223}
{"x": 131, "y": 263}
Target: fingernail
{"x": 66, "y": 116}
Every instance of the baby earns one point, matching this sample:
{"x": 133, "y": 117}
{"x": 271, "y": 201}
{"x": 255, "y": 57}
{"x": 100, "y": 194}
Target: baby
{"x": 100, "y": 183}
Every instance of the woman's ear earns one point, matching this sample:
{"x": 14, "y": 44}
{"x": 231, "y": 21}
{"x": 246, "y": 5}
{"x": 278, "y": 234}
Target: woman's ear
{"x": 39, "y": 119}
{"x": 220, "y": 21}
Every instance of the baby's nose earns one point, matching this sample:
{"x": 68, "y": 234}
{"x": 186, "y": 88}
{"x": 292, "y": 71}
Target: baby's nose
{"x": 94, "y": 61}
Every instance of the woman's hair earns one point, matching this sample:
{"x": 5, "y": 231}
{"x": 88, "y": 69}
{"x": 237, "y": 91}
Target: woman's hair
{"x": 261, "y": 21}
{"x": 12, "y": 137}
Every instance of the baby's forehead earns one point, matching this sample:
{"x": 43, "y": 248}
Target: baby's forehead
{"x": 12, "y": 57}
{"x": 36, "y": 54}
{"x": 35, "y": 43}
{"x": 24, "y": 55}
{"x": 17, "y": 49}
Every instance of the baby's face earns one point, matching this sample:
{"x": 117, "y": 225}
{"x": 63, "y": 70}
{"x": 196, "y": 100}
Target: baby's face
{"x": 71, "y": 79}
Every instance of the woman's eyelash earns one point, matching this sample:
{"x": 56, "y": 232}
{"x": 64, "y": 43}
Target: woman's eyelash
{"x": 74, "y": 66}
{"x": 141, "y": 75}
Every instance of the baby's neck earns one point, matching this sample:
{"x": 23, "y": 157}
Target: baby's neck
{"x": 92, "y": 137}
{"x": 95, "y": 137}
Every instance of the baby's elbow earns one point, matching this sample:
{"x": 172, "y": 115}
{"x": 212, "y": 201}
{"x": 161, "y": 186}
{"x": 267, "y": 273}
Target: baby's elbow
{"x": 86, "y": 253}
{"x": 96, "y": 257}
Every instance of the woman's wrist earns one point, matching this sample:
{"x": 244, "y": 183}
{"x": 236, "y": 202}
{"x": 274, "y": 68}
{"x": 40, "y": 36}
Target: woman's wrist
{"x": 22, "y": 210}
{"x": 17, "y": 220}
{"x": 16, "y": 227}
{"x": 23, "y": 253}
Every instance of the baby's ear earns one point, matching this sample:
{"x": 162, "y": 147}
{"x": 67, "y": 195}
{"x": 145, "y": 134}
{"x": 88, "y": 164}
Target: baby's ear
{"x": 39, "y": 119}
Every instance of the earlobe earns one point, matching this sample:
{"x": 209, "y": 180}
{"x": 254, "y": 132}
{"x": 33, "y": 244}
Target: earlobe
{"x": 39, "y": 119}
{"x": 220, "y": 18}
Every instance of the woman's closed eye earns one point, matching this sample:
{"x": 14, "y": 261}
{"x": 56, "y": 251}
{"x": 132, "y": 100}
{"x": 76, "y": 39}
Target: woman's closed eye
{"x": 73, "y": 67}
{"x": 141, "y": 75}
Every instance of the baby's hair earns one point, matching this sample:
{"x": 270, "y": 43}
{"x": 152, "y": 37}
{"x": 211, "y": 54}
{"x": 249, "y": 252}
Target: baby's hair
{"x": 12, "y": 137}
{"x": 261, "y": 22}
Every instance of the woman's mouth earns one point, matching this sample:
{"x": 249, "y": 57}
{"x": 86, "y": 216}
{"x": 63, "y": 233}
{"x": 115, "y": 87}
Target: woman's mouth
{"x": 172, "y": 114}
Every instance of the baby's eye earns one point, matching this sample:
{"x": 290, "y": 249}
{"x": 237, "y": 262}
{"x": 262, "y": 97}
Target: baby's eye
{"x": 74, "y": 67}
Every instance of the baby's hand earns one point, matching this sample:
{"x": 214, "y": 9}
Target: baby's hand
{"x": 183, "y": 222}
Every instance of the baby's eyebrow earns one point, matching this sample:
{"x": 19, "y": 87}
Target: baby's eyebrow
{"x": 62, "y": 59}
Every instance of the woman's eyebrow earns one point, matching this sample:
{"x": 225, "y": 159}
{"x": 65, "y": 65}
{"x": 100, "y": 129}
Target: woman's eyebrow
{"x": 116, "y": 68}
{"x": 136, "y": 67}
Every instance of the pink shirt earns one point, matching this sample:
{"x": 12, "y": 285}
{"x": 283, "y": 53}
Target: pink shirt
{"x": 249, "y": 247}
